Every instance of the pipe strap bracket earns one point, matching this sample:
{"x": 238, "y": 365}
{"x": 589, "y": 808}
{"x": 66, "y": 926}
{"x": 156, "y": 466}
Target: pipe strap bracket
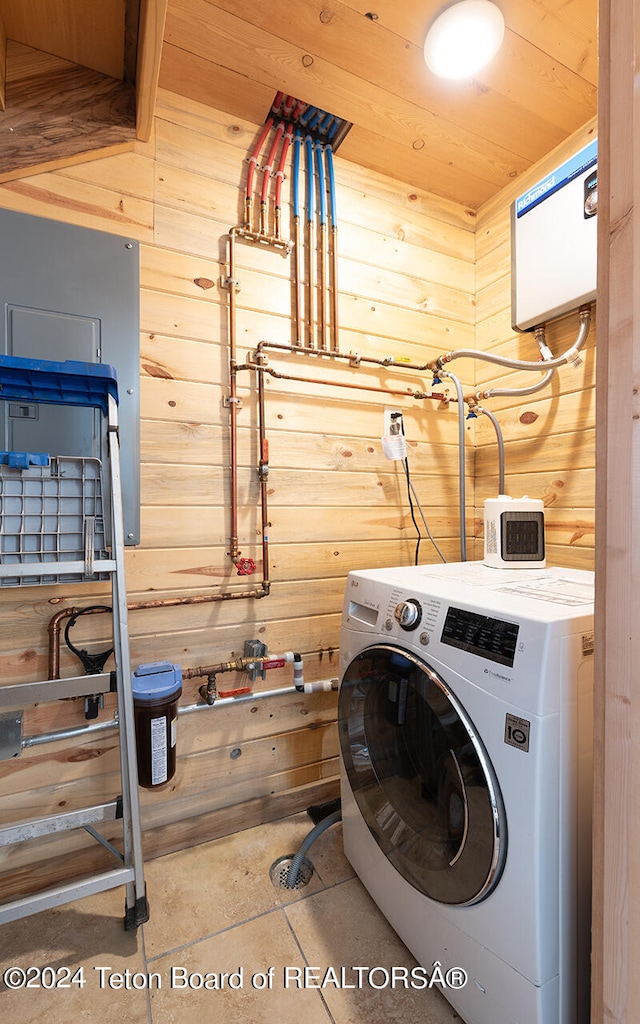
{"x": 229, "y": 283}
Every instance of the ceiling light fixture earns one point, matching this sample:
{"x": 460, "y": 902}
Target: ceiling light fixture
{"x": 464, "y": 38}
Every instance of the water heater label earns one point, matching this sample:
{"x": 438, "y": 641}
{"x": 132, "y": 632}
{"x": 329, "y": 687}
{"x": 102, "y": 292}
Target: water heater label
{"x": 569, "y": 170}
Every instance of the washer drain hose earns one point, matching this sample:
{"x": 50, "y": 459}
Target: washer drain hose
{"x": 296, "y": 863}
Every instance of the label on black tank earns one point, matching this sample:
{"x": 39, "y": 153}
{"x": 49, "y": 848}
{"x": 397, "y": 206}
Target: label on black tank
{"x": 158, "y": 751}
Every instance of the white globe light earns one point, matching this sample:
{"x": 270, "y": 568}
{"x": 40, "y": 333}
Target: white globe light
{"x": 464, "y": 38}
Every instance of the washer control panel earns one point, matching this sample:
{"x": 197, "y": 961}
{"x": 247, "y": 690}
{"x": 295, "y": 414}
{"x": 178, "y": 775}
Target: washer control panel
{"x": 408, "y": 614}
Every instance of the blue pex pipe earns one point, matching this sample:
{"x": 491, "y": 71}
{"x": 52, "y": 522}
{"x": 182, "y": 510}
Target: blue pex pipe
{"x": 322, "y": 193}
{"x": 308, "y": 143}
{"x": 297, "y": 142}
{"x": 305, "y": 115}
{"x": 328, "y": 152}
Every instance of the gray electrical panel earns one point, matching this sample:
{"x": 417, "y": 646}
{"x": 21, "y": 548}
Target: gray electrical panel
{"x": 72, "y": 293}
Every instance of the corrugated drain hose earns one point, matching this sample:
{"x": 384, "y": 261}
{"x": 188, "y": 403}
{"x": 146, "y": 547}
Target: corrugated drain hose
{"x": 296, "y": 863}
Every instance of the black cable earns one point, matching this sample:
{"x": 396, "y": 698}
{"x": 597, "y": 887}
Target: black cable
{"x": 396, "y": 416}
{"x": 406, "y": 469}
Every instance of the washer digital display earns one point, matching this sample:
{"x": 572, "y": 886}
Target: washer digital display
{"x": 490, "y": 638}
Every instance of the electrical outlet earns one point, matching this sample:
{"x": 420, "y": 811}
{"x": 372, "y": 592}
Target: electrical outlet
{"x": 391, "y": 426}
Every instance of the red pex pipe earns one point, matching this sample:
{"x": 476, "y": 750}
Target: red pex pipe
{"x": 280, "y": 178}
{"x": 253, "y": 159}
{"x": 268, "y": 168}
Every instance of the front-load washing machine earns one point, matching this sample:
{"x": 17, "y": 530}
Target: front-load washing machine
{"x": 465, "y": 721}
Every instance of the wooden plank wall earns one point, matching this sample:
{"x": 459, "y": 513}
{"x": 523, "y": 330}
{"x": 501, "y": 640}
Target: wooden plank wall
{"x": 616, "y": 845}
{"x": 407, "y": 282}
{"x": 549, "y": 436}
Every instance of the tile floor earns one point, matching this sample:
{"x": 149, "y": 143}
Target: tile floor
{"x": 215, "y": 911}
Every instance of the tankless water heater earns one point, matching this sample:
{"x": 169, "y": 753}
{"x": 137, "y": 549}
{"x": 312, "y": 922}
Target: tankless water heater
{"x": 554, "y": 242}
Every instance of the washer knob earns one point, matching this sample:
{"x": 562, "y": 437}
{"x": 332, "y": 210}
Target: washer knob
{"x": 408, "y": 613}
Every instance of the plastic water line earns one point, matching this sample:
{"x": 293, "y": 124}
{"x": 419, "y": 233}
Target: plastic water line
{"x": 279, "y": 176}
{"x": 253, "y": 159}
{"x": 267, "y": 172}
{"x": 306, "y": 115}
{"x": 296, "y": 863}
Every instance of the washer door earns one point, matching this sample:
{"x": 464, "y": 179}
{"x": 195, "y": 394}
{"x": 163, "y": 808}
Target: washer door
{"x": 421, "y": 777}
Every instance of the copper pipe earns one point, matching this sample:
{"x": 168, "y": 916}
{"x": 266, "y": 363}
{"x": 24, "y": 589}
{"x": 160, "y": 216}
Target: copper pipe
{"x": 270, "y": 240}
{"x": 343, "y": 384}
{"x": 234, "y": 553}
{"x": 297, "y": 281}
{"x": 311, "y": 283}
{"x": 334, "y": 287}
{"x": 323, "y": 285}
{"x": 352, "y": 357}
{"x": 328, "y": 153}
{"x": 311, "y": 243}
{"x": 263, "y": 473}
{"x": 136, "y": 606}
{"x": 322, "y": 210}
{"x": 297, "y": 268}
{"x": 54, "y": 639}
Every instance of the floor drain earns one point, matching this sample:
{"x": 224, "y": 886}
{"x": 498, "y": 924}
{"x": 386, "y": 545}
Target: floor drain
{"x": 279, "y": 872}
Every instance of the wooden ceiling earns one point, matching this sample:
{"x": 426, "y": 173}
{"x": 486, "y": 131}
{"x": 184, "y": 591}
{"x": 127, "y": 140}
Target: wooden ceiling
{"x": 363, "y": 61}
{"x": 359, "y": 59}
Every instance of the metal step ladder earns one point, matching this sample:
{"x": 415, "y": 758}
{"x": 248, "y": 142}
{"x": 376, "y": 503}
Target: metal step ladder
{"x": 36, "y": 552}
